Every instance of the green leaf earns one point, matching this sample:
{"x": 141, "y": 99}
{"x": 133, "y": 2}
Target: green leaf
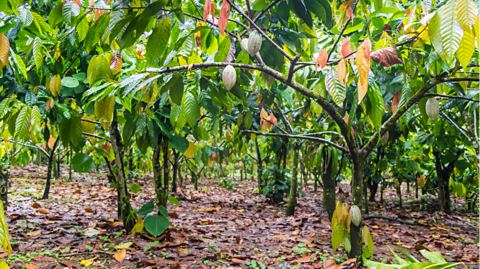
{"x": 22, "y": 123}
{"x": 466, "y": 12}
{"x": 95, "y": 32}
{"x": 70, "y": 82}
{"x": 163, "y": 211}
{"x": 38, "y": 53}
{"x": 347, "y": 244}
{"x": 318, "y": 88}
{"x": 407, "y": 93}
{"x": 158, "y": 41}
{"x": 70, "y": 11}
{"x": 141, "y": 125}
{"x": 146, "y": 209}
{"x": 336, "y": 88}
{"x": 82, "y": 163}
{"x": 408, "y": 255}
{"x": 179, "y": 143}
{"x": 316, "y": 8}
{"x": 36, "y": 121}
{"x": 176, "y": 88}
{"x": 445, "y": 32}
{"x": 248, "y": 119}
{"x": 26, "y": 16}
{"x": 156, "y": 225}
{"x": 399, "y": 260}
{"x": 173, "y": 200}
{"x": 71, "y": 130}
{"x": 223, "y": 50}
{"x": 55, "y": 16}
{"x": 82, "y": 28}
{"x": 377, "y": 107}
{"x": 337, "y": 236}
{"x": 435, "y": 257}
{"x": 191, "y": 109}
{"x": 135, "y": 188}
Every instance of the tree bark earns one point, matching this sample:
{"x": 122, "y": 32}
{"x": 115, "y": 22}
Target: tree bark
{"x": 329, "y": 190}
{"x": 357, "y": 190}
{"x": 443, "y": 175}
{"x": 126, "y": 209}
{"x": 4, "y": 178}
{"x": 260, "y": 180}
{"x": 157, "y": 174}
{"x": 292, "y": 199}
{"x": 162, "y": 189}
{"x": 51, "y": 160}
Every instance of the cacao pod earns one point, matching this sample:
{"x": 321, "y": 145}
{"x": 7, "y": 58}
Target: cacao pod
{"x": 355, "y": 215}
{"x": 385, "y": 138}
{"x": 229, "y": 77}
{"x": 433, "y": 108}
{"x": 254, "y": 43}
{"x": 244, "y": 45}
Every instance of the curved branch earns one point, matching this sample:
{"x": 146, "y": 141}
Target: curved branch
{"x": 454, "y": 124}
{"x": 450, "y": 97}
{"x": 345, "y": 150}
{"x": 265, "y": 10}
{"x": 292, "y": 67}
{"x": 341, "y": 33}
{"x": 254, "y": 25}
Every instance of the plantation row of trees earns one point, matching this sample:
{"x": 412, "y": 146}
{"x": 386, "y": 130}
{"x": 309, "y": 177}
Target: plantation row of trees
{"x": 351, "y": 90}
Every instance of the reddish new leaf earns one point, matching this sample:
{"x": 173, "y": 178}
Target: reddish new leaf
{"x": 346, "y": 4}
{"x": 349, "y": 13}
{"x": 212, "y": 11}
{"x": 208, "y": 5}
{"x": 321, "y": 60}
{"x": 346, "y": 121}
{"x": 345, "y": 50}
{"x": 396, "y": 101}
{"x": 367, "y": 48}
{"x": 386, "y": 57}
{"x": 224, "y": 14}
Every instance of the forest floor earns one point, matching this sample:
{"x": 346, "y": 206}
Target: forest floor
{"x": 215, "y": 228}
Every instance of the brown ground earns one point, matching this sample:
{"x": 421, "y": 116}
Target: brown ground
{"x": 220, "y": 228}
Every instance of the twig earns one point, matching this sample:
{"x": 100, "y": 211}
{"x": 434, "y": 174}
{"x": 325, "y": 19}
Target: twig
{"x": 96, "y": 136}
{"x": 292, "y": 67}
{"x": 450, "y": 97}
{"x": 285, "y": 121}
{"x": 390, "y": 219}
{"x": 265, "y": 10}
{"x": 299, "y": 137}
{"x": 454, "y": 124}
{"x": 341, "y": 33}
{"x": 91, "y": 121}
{"x": 254, "y": 25}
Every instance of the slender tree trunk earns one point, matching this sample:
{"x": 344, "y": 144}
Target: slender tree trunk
{"x": 329, "y": 190}
{"x": 157, "y": 174}
{"x": 292, "y": 199}
{"x": 51, "y": 160}
{"x": 373, "y": 186}
{"x": 261, "y": 183}
{"x": 4, "y": 178}
{"x": 162, "y": 193}
{"x": 39, "y": 157}
{"x": 180, "y": 177}
{"x": 443, "y": 175}
{"x": 365, "y": 191}
{"x": 70, "y": 166}
{"x": 399, "y": 192}
{"x": 59, "y": 171}
{"x": 357, "y": 190}
{"x": 126, "y": 209}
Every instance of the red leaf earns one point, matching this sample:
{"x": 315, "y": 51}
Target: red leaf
{"x": 367, "y": 48}
{"x": 386, "y": 57}
{"x": 321, "y": 60}
{"x": 349, "y": 13}
{"x": 224, "y": 14}
{"x": 212, "y": 10}
{"x": 345, "y": 50}
{"x": 346, "y": 121}
{"x": 208, "y": 4}
{"x": 396, "y": 101}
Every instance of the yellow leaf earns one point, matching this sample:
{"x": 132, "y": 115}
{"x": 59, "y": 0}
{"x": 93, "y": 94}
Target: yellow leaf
{"x": 104, "y": 111}
{"x": 88, "y": 127}
{"x": 466, "y": 13}
{"x": 4, "y": 50}
{"x": 116, "y": 62}
{"x": 55, "y": 85}
{"x": 363, "y": 66}
{"x": 87, "y": 263}
{"x": 120, "y": 256}
{"x": 3, "y": 265}
{"x": 138, "y": 228}
{"x": 190, "y": 152}
{"x": 342, "y": 71}
{"x": 467, "y": 48}
{"x": 2, "y": 152}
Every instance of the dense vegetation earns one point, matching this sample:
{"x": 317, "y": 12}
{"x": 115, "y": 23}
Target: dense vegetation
{"x": 375, "y": 93}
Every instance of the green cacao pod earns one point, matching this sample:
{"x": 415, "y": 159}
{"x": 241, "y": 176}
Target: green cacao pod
{"x": 385, "y": 138}
{"x": 355, "y": 215}
{"x": 433, "y": 108}
{"x": 229, "y": 77}
{"x": 244, "y": 45}
{"x": 254, "y": 43}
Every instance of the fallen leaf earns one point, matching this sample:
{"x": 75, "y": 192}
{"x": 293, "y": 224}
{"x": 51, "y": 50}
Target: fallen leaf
{"x": 43, "y": 211}
{"x": 305, "y": 259}
{"x": 183, "y": 251}
{"x": 120, "y": 256}
{"x": 31, "y": 266}
{"x": 34, "y": 233}
{"x": 36, "y": 205}
{"x": 44, "y": 259}
{"x": 87, "y": 263}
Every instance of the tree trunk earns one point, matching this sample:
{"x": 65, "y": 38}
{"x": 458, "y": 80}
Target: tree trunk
{"x": 329, "y": 190}
{"x": 128, "y": 218}
{"x": 70, "y": 166}
{"x": 180, "y": 177}
{"x": 162, "y": 192}
{"x": 51, "y": 160}
{"x": 365, "y": 192}
{"x": 292, "y": 199}
{"x": 160, "y": 188}
{"x": 443, "y": 175}
{"x": 59, "y": 172}
{"x": 39, "y": 157}
{"x": 357, "y": 190}
{"x": 373, "y": 186}
{"x": 260, "y": 180}
{"x": 4, "y": 178}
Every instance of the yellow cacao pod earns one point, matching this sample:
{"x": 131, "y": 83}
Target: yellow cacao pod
{"x": 355, "y": 215}
{"x": 229, "y": 77}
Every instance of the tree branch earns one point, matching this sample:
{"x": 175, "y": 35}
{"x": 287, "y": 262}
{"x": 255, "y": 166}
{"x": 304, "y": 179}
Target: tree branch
{"x": 91, "y": 121}
{"x": 285, "y": 121}
{"x": 249, "y": 9}
{"x": 459, "y": 79}
{"x": 341, "y": 33}
{"x": 254, "y": 25}
{"x": 292, "y": 67}
{"x": 299, "y": 137}
{"x": 265, "y": 10}
{"x": 454, "y": 124}
{"x": 96, "y": 136}
{"x": 450, "y": 97}
{"x": 30, "y": 146}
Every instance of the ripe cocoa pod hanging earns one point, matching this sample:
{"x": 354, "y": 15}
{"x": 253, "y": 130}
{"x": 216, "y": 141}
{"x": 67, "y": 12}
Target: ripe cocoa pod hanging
{"x": 254, "y": 43}
{"x": 433, "y": 108}
{"x": 229, "y": 77}
{"x": 355, "y": 215}
{"x": 385, "y": 138}
{"x": 244, "y": 45}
